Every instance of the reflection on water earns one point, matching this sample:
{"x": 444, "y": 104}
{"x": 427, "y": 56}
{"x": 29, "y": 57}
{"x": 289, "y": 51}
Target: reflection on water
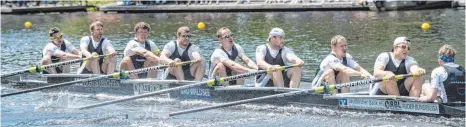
{"x": 308, "y": 33}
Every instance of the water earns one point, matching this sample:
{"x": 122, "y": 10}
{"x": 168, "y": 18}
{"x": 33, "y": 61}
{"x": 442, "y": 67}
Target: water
{"x": 308, "y": 33}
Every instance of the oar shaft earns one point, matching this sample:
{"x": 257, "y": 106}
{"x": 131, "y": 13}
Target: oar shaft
{"x": 294, "y": 93}
{"x": 56, "y": 85}
{"x": 89, "y": 79}
{"x": 33, "y": 69}
{"x": 209, "y": 82}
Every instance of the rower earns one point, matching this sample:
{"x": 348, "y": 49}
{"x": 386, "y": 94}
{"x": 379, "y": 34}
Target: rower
{"x": 99, "y": 46}
{"x": 58, "y": 50}
{"x": 275, "y": 54}
{"x": 447, "y": 81}
{"x": 140, "y": 52}
{"x": 182, "y": 50}
{"x": 389, "y": 64}
{"x": 223, "y": 58}
{"x": 339, "y": 65}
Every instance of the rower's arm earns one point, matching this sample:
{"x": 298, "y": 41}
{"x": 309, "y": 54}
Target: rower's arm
{"x": 83, "y": 47}
{"x": 62, "y": 54}
{"x": 164, "y": 57}
{"x": 197, "y": 56}
{"x": 249, "y": 62}
{"x": 260, "y": 59}
{"x": 235, "y": 66}
{"x": 77, "y": 52}
{"x": 379, "y": 71}
{"x": 342, "y": 68}
{"x": 146, "y": 53}
{"x": 110, "y": 48}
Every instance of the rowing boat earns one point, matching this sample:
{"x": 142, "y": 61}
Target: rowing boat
{"x": 357, "y": 101}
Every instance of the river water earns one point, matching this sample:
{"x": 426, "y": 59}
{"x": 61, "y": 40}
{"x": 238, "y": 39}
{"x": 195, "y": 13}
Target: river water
{"x": 308, "y": 33}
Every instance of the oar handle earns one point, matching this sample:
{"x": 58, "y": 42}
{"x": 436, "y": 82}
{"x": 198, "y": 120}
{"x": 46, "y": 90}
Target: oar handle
{"x": 123, "y": 74}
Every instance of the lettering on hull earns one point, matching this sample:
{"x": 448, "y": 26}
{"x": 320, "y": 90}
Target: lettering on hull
{"x": 100, "y": 83}
{"x": 196, "y": 93}
{"x": 36, "y": 77}
{"x": 390, "y": 105}
{"x": 145, "y": 88}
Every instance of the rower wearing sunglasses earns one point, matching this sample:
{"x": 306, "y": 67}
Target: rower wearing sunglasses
{"x": 274, "y": 54}
{"x": 140, "y": 52}
{"x": 397, "y": 62}
{"x": 223, "y": 58}
{"x": 58, "y": 50}
{"x": 182, "y": 50}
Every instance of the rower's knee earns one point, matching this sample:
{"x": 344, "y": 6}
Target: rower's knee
{"x": 152, "y": 61}
{"x": 220, "y": 67}
{"x": 124, "y": 62}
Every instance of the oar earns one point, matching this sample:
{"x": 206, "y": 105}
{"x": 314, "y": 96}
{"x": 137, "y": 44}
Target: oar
{"x": 115, "y": 75}
{"x": 41, "y": 68}
{"x": 209, "y": 83}
{"x": 320, "y": 89}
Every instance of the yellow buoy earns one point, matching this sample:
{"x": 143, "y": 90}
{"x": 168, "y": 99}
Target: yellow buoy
{"x": 425, "y": 26}
{"x": 201, "y": 25}
{"x": 28, "y": 24}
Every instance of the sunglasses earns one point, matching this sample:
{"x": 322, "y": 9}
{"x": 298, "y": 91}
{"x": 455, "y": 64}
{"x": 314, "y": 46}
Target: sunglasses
{"x": 56, "y": 37}
{"x": 228, "y": 36}
{"x": 187, "y": 36}
{"x": 404, "y": 47}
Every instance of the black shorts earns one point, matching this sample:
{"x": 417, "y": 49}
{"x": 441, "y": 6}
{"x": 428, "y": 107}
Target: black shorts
{"x": 286, "y": 80}
{"x": 401, "y": 88}
{"x": 186, "y": 71}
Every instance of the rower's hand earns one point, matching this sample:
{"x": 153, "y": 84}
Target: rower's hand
{"x": 299, "y": 62}
{"x": 420, "y": 71}
{"x": 173, "y": 63}
{"x": 94, "y": 55}
{"x": 273, "y": 68}
{"x": 113, "y": 53}
{"x": 390, "y": 76}
{"x": 366, "y": 76}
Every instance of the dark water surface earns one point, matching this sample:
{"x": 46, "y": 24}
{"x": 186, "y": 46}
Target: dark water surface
{"x": 308, "y": 33}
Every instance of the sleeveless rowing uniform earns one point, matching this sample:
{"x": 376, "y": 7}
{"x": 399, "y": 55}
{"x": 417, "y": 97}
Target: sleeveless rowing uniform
{"x": 98, "y": 50}
{"x": 278, "y": 60}
{"x": 183, "y": 57}
{"x": 51, "y": 49}
{"x": 56, "y": 59}
{"x": 454, "y": 84}
{"x": 221, "y": 54}
{"x": 401, "y": 69}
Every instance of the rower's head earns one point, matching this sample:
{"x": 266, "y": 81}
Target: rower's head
{"x": 276, "y": 37}
{"x": 96, "y": 29}
{"x": 55, "y": 36}
{"x": 338, "y": 45}
{"x": 225, "y": 37}
{"x": 183, "y": 36}
{"x": 401, "y": 47}
{"x": 446, "y": 54}
{"x": 142, "y": 31}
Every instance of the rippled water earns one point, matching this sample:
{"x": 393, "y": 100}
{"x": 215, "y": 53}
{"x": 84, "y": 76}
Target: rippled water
{"x": 308, "y": 33}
